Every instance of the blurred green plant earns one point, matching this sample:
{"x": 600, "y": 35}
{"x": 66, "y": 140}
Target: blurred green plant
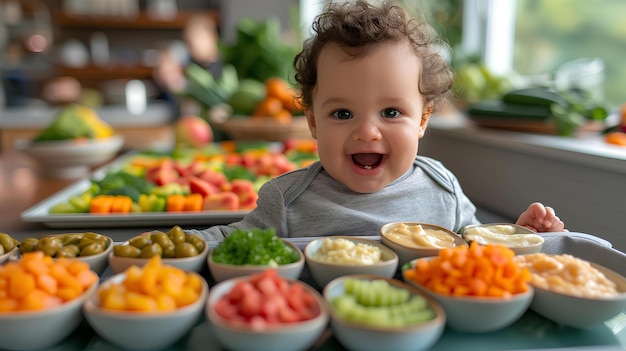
{"x": 259, "y": 51}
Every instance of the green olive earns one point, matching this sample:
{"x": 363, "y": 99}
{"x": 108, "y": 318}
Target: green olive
{"x": 69, "y": 251}
{"x": 141, "y": 241}
{"x": 1, "y": 250}
{"x": 126, "y": 251}
{"x": 169, "y": 252}
{"x": 163, "y": 240}
{"x": 177, "y": 234}
{"x": 28, "y": 245}
{"x": 151, "y": 250}
{"x": 186, "y": 250}
{"x": 94, "y": 236}
{"x": 196, "y": 241}
{"x": 50, "y": 245}
{"x": 7, "y": 242}
{"x": 92, "y": 249}
{"x": 70, "y": 239}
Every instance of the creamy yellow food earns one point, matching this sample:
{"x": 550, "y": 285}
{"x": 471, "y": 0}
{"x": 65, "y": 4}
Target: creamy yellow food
{"x": 344, "y": 251}
{"x": 567, "y": 274}
{"x": 502, "y": 234}
{"x": 414, "y": 235}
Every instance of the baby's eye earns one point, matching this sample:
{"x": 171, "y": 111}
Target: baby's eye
{"x": 342, "y": 114}
{"x": 390, "y": 113}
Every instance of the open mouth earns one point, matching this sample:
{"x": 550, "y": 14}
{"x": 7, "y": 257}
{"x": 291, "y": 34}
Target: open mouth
{"x": 367, "y": 160}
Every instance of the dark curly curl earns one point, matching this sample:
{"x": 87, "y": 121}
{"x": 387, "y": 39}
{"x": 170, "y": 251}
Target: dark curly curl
{"x": 357, "y": 26}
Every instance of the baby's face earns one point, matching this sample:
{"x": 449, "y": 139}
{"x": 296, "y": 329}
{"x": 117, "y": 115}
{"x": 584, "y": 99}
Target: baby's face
{"x": 367, "y": 114}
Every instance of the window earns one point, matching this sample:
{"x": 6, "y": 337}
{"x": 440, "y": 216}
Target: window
{"x": 535, "y": 37}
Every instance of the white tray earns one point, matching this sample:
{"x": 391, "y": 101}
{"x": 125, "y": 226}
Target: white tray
{"x": 39, "y": 213}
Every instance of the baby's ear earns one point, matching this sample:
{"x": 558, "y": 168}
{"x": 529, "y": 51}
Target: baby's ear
{"x": 428, "y": 109}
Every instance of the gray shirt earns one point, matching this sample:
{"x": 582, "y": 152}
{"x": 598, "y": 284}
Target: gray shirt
{"x": 308, "y": 202}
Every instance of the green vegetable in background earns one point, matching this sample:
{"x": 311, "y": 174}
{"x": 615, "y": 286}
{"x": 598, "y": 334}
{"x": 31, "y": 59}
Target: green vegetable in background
{"x": 254, "y": 247}
{"x": 207, "y": 90}
{"x": 259, "y": 51}
{"x": 579, "y": 109}
{"x": 75, "y": 121}
{"x": 124, "y": 183}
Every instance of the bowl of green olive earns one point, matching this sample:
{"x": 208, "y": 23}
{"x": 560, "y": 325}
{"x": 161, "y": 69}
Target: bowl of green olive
{"x": 8, "y": 247}
{"x": 90, "y": 247}
{"x": 176, "y": 248}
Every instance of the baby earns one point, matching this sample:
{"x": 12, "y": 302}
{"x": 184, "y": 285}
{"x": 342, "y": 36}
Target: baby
{"x": 369, "y": 77}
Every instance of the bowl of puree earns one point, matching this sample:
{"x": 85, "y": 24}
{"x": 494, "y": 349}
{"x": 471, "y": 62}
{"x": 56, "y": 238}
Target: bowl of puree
{"x": 411, "y": 240}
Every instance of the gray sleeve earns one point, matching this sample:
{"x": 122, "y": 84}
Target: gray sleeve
{"x": 269, "y": 213}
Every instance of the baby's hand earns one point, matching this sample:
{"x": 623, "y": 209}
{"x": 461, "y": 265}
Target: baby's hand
{"x": 541, "y": 218}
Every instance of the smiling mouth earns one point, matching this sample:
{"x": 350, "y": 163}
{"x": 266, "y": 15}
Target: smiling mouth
{"x": 367, "y": 160}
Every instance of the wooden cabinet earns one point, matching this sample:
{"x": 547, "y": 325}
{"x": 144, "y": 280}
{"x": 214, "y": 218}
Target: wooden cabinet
{"x": 132, "y": 44}
{"x": 132, "y": 41}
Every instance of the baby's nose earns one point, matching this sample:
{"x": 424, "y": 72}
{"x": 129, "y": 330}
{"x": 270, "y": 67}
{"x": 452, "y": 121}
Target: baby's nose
{"x": 367, "y": 131}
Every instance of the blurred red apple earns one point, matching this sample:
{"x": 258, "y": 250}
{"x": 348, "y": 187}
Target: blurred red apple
{"x": 193, "y": 131}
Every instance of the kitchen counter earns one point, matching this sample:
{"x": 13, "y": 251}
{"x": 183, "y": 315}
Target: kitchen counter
{"x": 21, "y": 123}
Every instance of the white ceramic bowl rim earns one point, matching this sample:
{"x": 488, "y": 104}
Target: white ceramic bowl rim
{"x": 283, "y": 328}
{"x": 519, "y": 229}
{"x": 481, "y": 299}
{"x": 93, "y": 302}
{"x": 385, "y": 251}
{"x": 287, "y": 265}
{"x": 610, "y": 274}
{"x": 52, "y": 310}
{"x": 619, "y": 296}
{"x": 458, "y": 239}
{"x": 434, "y": 304}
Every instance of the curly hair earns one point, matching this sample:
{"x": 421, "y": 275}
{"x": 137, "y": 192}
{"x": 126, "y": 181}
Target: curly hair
{"x": 357, "y": 27}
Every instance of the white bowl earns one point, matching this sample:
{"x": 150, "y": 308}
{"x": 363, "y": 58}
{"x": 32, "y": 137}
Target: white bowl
{"x": 281, "y": 337}
{"x": 11, "y": 244}
{"x": 471, "y": 314}
{"x": 581, "y": 312}
{"x": 354, "y": 336}
{"x": 324, "y": 272}
{"x": 221, "y": 271}
{"x": 73, "y": 158}
{"x": 98, "y": 262}
{"x": 516, "y": 237}
{"x": 9, "y": 255}
{"x": 407, "y": 253}
{"x": 142, "y": 331}
{"x": 194, "y": 263}
{"x": 40, "y": 330}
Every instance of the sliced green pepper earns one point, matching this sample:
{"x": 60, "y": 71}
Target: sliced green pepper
{"x": 151, "y": 203}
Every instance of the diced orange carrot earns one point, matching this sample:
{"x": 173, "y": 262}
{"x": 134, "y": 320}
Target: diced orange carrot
{"x": 121, "y": 204}
{"x": 193, "y": 202}
{"x": 101, "y": 204}
{"x": 477, "y": 270}
{"x": 175, "y": 203}
{"x": 616, "y": 138}
{"x": 37, "y": 281}
{"x": 47, "y": 283}
{"x": 21, "y": 284}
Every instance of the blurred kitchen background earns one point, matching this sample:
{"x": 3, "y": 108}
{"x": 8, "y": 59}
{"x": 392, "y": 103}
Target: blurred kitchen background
{"x": 494, "y": 43}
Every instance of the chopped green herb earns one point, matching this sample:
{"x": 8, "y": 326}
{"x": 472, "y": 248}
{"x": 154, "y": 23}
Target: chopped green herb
{"x": 254, "y": 247}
